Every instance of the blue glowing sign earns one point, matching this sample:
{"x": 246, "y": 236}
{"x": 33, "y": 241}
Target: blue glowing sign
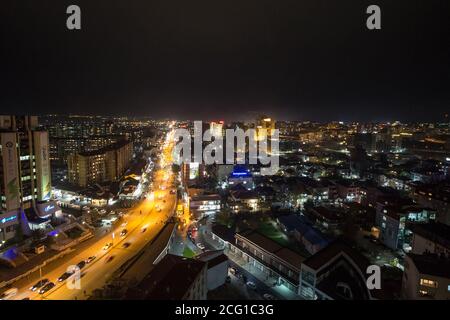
{"x": 49, "y": 207}
{"x": 8, "y": 219}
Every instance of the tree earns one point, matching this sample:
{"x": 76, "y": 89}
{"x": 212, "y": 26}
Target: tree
{"x": 175, "y": 168}
{"x": 19, "y": 233}
{"x": 224, "y": 218}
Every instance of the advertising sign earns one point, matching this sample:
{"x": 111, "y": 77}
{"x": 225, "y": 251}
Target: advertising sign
{"x": 42, "y": 165}
{"x": 10, "y": 170}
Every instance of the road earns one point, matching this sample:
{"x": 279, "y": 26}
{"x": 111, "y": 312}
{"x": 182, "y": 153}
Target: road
{"x": 150, "y": 215}
{"x": 261, "y": 287}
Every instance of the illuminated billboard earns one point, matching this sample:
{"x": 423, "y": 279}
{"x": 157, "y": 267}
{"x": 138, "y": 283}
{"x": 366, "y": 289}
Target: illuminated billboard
{"x": 42, "y": 165}
{"x": 10, "y": 170}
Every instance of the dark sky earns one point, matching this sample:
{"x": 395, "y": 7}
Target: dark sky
{"x": 233, "y": 59}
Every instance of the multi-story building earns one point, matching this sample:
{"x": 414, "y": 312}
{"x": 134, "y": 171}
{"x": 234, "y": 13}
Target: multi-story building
{"x": 433, "y": 237}
{"x": 25, "y": 177}
{"x": 102, "y": 165}
{"x": 173, "y": 278}
{"x": 426, "y": 277}
{"x": 394, "y": 224}
{"x": 216, "y": 128}
{"x": 270, "y": 258}
{"x": 204, "y": 205}
{"x": 337, "y": 272}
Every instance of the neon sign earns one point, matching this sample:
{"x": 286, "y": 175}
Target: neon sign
{"x": 8, "y": 219}
{"x": 49, "y": 207}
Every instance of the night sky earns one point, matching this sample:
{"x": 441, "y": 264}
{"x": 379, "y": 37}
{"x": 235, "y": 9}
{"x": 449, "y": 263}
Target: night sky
{"x": 233, "y": 59}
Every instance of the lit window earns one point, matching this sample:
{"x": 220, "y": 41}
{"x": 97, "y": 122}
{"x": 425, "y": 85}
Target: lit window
{"x": 423, "y": 293}
{"x": 428, "y": 283}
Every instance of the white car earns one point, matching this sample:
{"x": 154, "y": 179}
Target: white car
{"x": 8, "y": 294}
{"x": 201, "y": 246}
{"x": 268, "y": 296}
{"x": 251, "y": 285}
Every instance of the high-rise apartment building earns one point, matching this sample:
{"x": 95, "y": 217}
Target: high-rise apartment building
{"x": 25, "y": 176}
{"x": 102, "y": 165}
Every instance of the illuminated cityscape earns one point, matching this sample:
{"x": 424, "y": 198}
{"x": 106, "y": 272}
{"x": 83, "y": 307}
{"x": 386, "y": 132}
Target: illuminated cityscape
{"x": 230, "y": 158}
{"x": 345, "y": 196}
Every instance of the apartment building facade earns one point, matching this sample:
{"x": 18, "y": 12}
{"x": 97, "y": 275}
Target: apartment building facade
{"x": 102, "y": 165}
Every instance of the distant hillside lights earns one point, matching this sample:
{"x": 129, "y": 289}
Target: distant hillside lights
{"x": 259, "y": 149}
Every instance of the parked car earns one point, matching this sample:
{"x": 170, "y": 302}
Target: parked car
{"x": 201, "y": 246}
{"x": 126, "y": 245}
{"x": 251, "y": 285}
{"x": 109, "y": 259}
{"x": 46, "y": 288}
{"x": 123, "y": 232}
{"x": 107, "y": 246}
{"x": 39, "y": 284}
{"x": 90, "y": 259}
{"x": 65, "y": 276}
{"x": 8, "y": 294}
{"x": 268, "y": 296}
{"x": 81, "y": 264}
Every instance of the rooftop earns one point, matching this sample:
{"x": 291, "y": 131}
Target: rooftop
{"x": 338, "y": 247}
{"x": 434, "y": 231}
{"x": 169, "y": 280}
{"x": 431, "y": 264}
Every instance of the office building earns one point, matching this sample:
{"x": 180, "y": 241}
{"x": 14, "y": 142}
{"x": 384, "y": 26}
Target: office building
{"x": 25, "y": 176}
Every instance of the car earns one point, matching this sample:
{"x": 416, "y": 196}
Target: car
{"x": 81, "y": 264}
{"x": 8, "y": 294}
{"x": 158, "y": 210}
{"x": 268, "y": 296}
{"x": 126, "y": 245}
{"x": 233, "y": 270}
{"x": 39, "y": 284}
{"x": 143, "y": 230}
{"x": 46, "y": 288}
{"x": 251, "y": 285}
{"x": 103, "y": 211}
{"x": 123, "y": 232}
{"x": 201, "y": 246}
{"x": 107, "y": 246}
{"x": 65, "y": 276}
{"x": 109, "y": 259}
{"x": 90, "y": 259}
